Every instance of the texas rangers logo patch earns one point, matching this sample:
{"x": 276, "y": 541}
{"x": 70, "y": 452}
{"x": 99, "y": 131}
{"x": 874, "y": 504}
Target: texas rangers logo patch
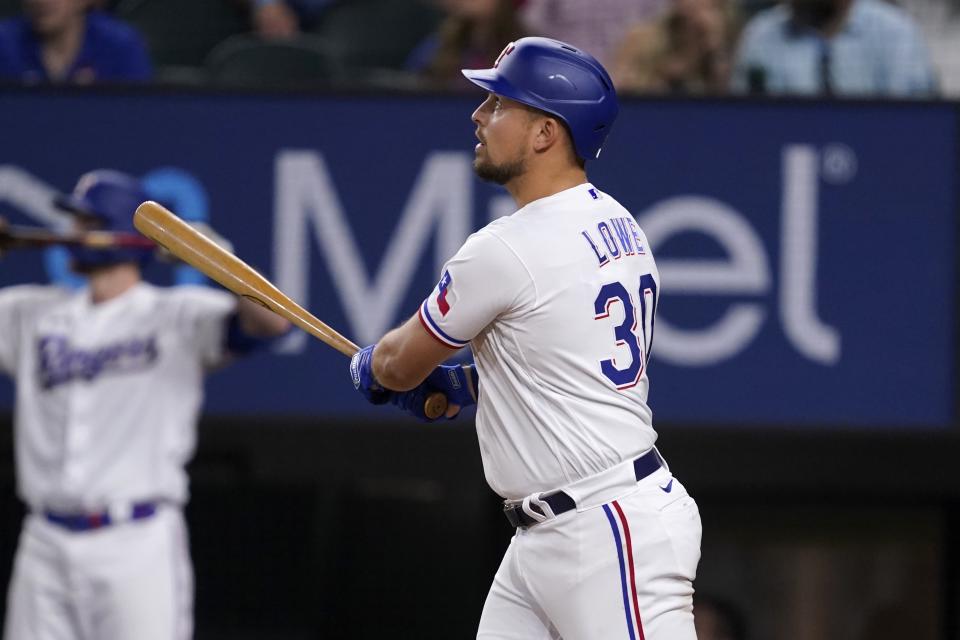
{"x": 443, "y": 286}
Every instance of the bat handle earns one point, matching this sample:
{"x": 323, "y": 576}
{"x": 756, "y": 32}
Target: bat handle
{"x": 435, "y": 405}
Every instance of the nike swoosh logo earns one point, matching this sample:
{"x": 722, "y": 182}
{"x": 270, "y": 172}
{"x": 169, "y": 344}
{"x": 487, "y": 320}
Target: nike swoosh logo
{"x": 668, "y": 487}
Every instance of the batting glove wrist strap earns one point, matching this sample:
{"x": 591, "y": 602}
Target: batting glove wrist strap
{"x": 459, "y": 383}
{"x": 361, "y": 372}
{"x": 414, "y": 401}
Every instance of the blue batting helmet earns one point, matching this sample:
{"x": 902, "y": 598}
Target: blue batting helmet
{"x": 559, "y": 79}
{"x": 109, "y": 199}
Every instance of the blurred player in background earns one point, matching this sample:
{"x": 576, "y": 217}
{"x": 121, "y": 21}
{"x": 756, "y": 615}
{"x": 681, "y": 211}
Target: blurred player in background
{"x": 557, "y": 303}
{"x": 109, "y": 384}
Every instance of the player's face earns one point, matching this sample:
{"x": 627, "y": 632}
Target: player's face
{"x": 503, "y": 128}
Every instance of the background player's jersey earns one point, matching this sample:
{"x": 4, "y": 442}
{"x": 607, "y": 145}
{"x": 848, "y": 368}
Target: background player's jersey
{"x": 108, "y": 394}
{"x": 557, "y": 302}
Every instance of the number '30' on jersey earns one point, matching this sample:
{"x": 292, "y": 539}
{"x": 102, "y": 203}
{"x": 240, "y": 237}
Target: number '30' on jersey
{"x": 558, "y": 304}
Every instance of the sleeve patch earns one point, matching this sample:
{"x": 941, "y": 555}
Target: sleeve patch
{"x": 443, "y": 304}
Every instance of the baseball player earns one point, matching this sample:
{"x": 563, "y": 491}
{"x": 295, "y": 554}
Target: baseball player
{"x": 557, "y": 303}
{"x": 108, "y": 387}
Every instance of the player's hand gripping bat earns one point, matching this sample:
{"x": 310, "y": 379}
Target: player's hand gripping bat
{"x": 179, "y": 238}
{"x": 16, "y": 237}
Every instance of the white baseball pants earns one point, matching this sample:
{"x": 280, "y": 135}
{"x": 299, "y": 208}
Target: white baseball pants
{"x": 619, "y": 567}
{"x": 131, "y": 580}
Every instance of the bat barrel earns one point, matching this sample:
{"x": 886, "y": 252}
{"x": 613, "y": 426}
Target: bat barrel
{"x": 179, "y": 238}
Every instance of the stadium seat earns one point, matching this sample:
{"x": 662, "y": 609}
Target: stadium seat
{"x": 248, "y": 61}
{"x": 376, "y": 33}
{"x": 180, "y": 76}
{"x": 9, "y": 8}
{"x": 183, "y": 32}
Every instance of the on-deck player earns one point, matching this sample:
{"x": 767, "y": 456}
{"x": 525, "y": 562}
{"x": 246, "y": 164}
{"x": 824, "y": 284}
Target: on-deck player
{"x": 557, "y": 303}
{"x": 109, "y": 383}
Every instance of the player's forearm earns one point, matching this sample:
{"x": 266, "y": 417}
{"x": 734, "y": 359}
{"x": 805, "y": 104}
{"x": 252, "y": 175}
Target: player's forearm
{"x": 259, "y": 322}
{"x": 391, "y": 370}
{"x": 406, "y": 356}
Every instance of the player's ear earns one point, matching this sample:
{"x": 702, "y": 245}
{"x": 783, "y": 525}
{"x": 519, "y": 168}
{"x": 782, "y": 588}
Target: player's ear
{"x": 549, "y": 131}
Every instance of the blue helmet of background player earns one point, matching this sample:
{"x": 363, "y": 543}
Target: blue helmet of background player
{"x": 105, "y": 199}
{"x": 560, "y": 79}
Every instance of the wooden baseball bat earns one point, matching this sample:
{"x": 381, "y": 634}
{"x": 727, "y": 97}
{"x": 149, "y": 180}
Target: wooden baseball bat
{"x": 17, "y": 237}
{"x": 179, "y": 238}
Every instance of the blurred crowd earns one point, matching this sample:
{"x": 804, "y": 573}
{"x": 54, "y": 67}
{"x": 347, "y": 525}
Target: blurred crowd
{"x": 889, "y": 48}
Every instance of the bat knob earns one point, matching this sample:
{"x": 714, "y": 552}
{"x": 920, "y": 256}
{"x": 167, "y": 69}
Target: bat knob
{"x": 435, "y": 405}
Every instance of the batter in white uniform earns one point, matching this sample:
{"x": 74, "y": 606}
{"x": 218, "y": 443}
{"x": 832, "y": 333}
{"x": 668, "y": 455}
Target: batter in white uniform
{"x": 558, "y": 304}
{"x": 109, "y": 384}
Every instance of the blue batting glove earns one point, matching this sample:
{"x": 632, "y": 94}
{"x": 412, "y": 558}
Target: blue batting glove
{"x": 413, "y": 401}
{"x": 459, "y": 383}
{"x": 361, "y": 371}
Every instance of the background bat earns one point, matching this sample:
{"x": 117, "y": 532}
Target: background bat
{"x": 16, "y": 237}
{"x": 179, "y": 238}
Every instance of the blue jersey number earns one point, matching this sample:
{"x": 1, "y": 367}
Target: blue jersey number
{"x": 639, "y": 344}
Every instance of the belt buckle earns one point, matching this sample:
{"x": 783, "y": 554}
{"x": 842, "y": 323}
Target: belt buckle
{"x": 514, "y": 513}
{"x": 518, "y": 516}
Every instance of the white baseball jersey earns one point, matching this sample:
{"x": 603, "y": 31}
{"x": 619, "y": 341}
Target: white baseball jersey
{"x": 557, "y": 302}
{"x": 107, "y": 394}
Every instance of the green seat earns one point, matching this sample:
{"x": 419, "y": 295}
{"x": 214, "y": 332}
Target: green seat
{"x": 376, "y": 33}
{"x": 183, "y": 32}
{"x": 247, "y": 61}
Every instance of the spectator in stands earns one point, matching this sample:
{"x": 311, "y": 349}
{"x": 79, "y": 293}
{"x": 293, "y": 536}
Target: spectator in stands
{"x": 834, "y": 47}
{"x": 65, "y": 41}
{"x": 277, "y": 19}
{"x": 596, "y": 26}
{"x": 471, "y": 36}
{"x": 687, "y": 50}
{"x": 939, "y": 21}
